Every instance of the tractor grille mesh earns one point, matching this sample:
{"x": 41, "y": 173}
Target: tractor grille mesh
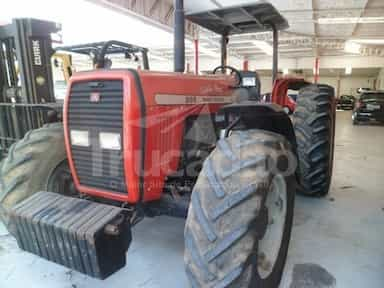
{"x": 96, "y": 167}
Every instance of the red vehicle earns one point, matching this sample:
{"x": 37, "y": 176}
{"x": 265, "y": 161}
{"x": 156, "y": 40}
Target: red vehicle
{"x": 142, "y": 144}
{"x": 280, "y": 92}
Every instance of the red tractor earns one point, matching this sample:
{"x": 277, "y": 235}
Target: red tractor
{"x": 142, "y": 144}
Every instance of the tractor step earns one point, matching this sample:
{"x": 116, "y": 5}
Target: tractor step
{"x": 85, "y": 236}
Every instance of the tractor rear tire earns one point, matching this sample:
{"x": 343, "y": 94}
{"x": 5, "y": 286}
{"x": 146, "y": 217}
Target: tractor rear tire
{"x": 36, "y": 163}
{"x": 238, "y": 203}
{"x": 314, "y": 124}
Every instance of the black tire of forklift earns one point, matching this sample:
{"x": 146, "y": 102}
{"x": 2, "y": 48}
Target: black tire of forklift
{"x": 35, "y": 163}
{"x": 228, "y": 218}
{"x": 314, "y": 124}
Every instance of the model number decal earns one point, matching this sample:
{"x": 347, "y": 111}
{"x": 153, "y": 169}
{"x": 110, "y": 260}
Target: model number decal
{"x": 36, "y": 52}
{"x": 168, "y": 99}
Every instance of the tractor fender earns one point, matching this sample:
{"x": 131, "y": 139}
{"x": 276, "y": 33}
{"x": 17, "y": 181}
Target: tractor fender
{"x": 264, "y": 116}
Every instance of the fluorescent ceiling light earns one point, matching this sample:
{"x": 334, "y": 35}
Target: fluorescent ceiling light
{"x": 208, "y": 52}
{"x": 369, "y": 41}
{"x": 351, "y": 20}
{"x": 264, "y": 46}
{"x": 298, "y": 49}
{"x": 348, "y": 71}
{"x": 261, "y": 45}
{"x": 352, "y": 47}
{"x": 252, "y": 48}
{"x": 240, "y": 41}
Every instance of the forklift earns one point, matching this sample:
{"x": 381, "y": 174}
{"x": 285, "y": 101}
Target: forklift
{"x": 28, "y": 94}
{"x": 141, "y": 144}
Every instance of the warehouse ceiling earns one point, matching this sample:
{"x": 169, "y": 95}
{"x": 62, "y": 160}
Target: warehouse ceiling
{"x": 317, "y": 27}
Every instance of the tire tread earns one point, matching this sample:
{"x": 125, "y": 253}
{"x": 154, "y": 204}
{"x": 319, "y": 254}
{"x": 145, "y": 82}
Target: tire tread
{"x": 38, "y": 149}
{"x": 313, "y": 125}
{"x": 205, "y": 236}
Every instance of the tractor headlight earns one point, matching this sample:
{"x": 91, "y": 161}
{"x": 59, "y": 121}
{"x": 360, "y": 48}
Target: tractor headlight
{"x": 111, "y": 141}
{"x": 80, "y": 138}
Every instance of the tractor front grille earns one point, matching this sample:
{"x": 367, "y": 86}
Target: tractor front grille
{"x": 97, "y": 106}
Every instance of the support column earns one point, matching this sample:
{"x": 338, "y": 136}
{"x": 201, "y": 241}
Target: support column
{"x": 197, "y": 56}
{"x": 275, "y": 67}
{"x": 179, "y": 36}
{"x": 316, "y": 70}
{"x": 245, "y": 64}
{"x": 224, "y": 55}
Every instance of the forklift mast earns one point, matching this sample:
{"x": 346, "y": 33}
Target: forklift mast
{"x": 26, "y": 80}
{"x": 29, "y": 41}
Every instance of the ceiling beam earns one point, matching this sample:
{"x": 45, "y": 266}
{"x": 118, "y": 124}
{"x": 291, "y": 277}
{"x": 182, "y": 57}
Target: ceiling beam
{"x": 362, "y": 11}
{"x": 217, "y": 3}
{"x": 158, "y": 13}
{"x": 361, "y": 15}
{"x": 154, "y": 6}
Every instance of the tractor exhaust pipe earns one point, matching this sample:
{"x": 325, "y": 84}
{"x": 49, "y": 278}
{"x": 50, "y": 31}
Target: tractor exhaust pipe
{"x": 179, "y": 36}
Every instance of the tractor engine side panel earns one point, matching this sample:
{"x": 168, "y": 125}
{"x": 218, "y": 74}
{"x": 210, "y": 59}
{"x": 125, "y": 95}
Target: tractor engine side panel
{"x": 152, "y": 121}
{"x": 171, "y": 100}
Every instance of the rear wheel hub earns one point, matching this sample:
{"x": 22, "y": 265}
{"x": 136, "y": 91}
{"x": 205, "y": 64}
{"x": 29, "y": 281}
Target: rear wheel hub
{"x": 276, "y": 212}
{"x": 60, "y": 180}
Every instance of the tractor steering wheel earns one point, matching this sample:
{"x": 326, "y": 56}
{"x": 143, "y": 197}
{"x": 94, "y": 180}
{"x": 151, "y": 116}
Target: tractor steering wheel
{"x": 233, "y": 70}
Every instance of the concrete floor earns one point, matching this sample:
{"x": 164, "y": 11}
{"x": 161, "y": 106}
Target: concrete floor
{"x": 337, "y": 242}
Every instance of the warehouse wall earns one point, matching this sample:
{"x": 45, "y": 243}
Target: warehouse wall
{"x": 266, "y": 85}
{"x": 380, "y": 80}
{"x": 348, "y": 85}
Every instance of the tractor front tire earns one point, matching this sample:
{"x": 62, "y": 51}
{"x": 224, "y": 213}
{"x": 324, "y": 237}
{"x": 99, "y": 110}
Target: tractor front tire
{"x": 240, "y": 217}
{"x": 314, "y": 124}
{"x": 35, "y": 163}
